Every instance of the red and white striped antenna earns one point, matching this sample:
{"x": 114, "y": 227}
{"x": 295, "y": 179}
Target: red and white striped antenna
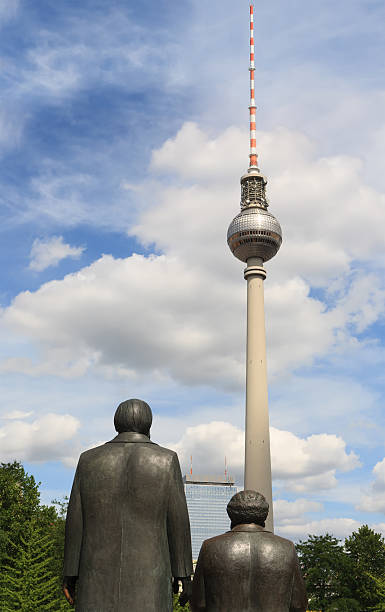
{"x": 253, "y": 138}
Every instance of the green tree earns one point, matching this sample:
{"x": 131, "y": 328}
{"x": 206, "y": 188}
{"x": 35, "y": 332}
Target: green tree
{"x": 57, "y": 531}
{"x": 324, "y": 566}
{"x": 366, "y": 552}
{"x": 19, "y": 503}
{"x": 344, "y": 605}
{"x": 28, "y": 580}
{"x": 19, "y": 508}
{"x": 380, "y": 594}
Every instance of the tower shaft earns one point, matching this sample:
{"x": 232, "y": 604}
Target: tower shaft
{"x": 257, "y": 437}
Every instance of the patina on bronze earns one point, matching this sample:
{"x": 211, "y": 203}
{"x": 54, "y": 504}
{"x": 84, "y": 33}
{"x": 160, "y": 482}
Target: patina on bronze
{"x": 127, "y": 528}
{"x": 248, "y": 569}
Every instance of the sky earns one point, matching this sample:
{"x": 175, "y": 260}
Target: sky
{"x": 123, "y": 135}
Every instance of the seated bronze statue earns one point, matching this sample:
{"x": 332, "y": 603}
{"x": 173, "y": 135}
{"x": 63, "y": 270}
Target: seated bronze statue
{"x": 127, "y": 528}
{"x": 248, "y": 568}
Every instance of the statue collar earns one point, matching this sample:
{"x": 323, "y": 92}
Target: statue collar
{"x": 249, "y": 527}
{"x": 130, "y": 436}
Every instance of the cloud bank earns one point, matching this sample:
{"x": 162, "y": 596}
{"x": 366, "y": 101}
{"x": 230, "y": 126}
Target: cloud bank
{"x": 167, "y": 313}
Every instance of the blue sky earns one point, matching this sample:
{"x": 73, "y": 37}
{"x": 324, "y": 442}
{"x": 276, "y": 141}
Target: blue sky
{"x": 123, "y": 135}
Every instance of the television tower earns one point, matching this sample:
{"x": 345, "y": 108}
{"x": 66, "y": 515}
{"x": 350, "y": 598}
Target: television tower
{"x": 254, "y": 236}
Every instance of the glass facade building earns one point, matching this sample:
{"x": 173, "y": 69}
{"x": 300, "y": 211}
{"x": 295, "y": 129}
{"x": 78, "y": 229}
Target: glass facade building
{"x": 206, "y": 503}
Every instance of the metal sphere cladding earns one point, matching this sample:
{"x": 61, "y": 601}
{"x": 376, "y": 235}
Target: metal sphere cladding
{"x": 254, "y": 232}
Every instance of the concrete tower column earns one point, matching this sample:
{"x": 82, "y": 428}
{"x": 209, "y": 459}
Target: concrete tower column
{"x": 257, "y": 437}
{"x": 255, "y": 236}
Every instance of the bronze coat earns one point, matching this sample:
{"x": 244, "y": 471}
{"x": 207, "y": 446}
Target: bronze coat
{"x": 248, "y": 569}
{"x": 127, "y": 528}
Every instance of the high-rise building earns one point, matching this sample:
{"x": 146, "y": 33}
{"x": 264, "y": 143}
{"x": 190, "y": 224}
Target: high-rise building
{"x": 254, "y": 236}
{"x": 207, "y": 499}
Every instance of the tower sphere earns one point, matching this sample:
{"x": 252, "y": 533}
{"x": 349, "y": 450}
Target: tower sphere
{"x": 254, "y": 232}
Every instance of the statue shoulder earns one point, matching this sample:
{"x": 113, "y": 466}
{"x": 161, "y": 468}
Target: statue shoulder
{"x": 283, "y": 541}
{"x": 92, "y": 453}
{"x": 164, "y": 453}
{"x": 223, "y": 540}
{"x": 283, "y": 544}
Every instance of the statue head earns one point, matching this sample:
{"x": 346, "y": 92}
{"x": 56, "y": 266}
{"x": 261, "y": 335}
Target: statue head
{"x": 133, "y": 415}
{"x": 247, "y": 507}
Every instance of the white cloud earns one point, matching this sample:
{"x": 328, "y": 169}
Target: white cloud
{"x": 373, "y": 500}
{"x": 311, "y": 462}
{"x": 51, "y": 364}
{"x": 172, "y": 317}
{"x": 364, "y": 302}
{"x": 379, "y": 472}
{"x": 291, "y": 521}
{"x": 379, "y": 527}
{"x": 49, "y": 252}
{"x": 310, "y": 333}
{"x": 91, "y": 317}
{"x": 292, "y": 512}
{"x": 16, "y": 414}
{"x": 298, "y": 464}
{"x": 205, "y": 162}
{"x": 338, "y": 527}
{"x": 46, "y": 438}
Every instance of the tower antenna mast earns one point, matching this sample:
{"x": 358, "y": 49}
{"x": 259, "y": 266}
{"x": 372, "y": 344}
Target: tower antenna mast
{"x": 253, "y": 137}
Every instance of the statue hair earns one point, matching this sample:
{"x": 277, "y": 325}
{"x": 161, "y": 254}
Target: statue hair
{"x": 133, "y": 415}
{"x": 248, "y": 507}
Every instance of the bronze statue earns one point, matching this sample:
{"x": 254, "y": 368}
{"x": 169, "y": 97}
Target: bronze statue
{"x": 248, "y": 568}
{"x": 127, "y": 528}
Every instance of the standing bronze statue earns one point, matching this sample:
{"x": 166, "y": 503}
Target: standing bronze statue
{"x": 248, "y": 568}
{"x": 127, "y": 528}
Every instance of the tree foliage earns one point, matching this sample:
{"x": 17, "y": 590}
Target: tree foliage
{"x": 19, "y": 503}
{"x": 345, "y": 604}
{"x": 323, "y": 563}
{"x": 366, "y": 552}
{"x": 29, "y": 580}
{"x": 345, "y": 577}
{"x": 31, "y": 545}
{"x": 380, "y": 593}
